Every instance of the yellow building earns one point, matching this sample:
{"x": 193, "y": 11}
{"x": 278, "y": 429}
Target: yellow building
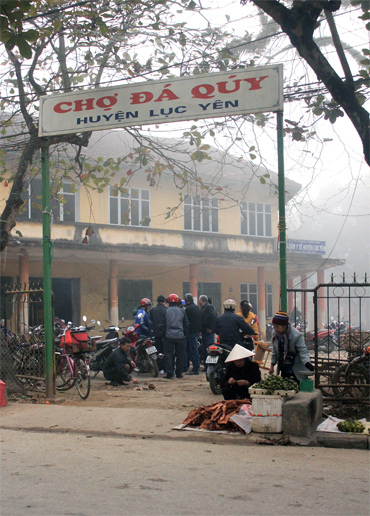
{"x": 220, "y": 241}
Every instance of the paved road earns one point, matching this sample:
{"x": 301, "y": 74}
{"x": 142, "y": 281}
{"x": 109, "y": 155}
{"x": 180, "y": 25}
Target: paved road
{"x": 51, "y": 474}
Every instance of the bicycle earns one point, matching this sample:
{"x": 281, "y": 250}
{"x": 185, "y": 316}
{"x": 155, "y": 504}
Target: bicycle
{"x": 74, "y": 371}
{"x": 72, "y": 368}
{"x": 353, "y": 379}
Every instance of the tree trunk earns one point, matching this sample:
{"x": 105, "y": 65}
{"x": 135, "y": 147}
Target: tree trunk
{"x": 299, "y": 24}
{"x": 14, "y": 201}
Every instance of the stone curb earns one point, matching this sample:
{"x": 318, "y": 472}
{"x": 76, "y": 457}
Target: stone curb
{"x": 350, "y": 441}
{"x": 319, "y": 439}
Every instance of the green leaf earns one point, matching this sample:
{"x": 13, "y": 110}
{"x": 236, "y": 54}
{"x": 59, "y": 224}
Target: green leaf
{"x": 191, "y": 6}
{"x": 182, "y": 39}
{"x": 262, "y": 180}
{"x": 24, "y": 48}
{"x": 31, "y": 35}
{"x": 317, "y": 111}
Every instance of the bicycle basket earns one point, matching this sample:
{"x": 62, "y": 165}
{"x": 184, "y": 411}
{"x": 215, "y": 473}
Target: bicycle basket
{"x": 76, "y": 342}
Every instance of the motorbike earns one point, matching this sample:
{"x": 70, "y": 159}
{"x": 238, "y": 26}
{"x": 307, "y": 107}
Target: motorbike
{"x": 143, "y": 352}
{"x": 215, "y": 362}
{"x": 341, "y": 328}
{"x": 326, "y": 339}
{"x": 104, "y": 347}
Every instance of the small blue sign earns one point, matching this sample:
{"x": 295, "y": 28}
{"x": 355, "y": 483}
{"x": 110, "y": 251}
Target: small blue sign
{"x": 306, "y": 246}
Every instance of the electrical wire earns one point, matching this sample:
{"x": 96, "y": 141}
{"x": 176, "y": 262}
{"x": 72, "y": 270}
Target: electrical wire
{"x": 338, "y": 236}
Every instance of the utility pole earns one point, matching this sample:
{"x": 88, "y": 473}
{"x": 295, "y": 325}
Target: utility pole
{"x": 282, "y": 222}
{"x": 46, "y": 255}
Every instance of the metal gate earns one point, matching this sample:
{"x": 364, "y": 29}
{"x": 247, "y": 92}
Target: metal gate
{"x": 21, "y": 345}
{"x": 334, "y": 318}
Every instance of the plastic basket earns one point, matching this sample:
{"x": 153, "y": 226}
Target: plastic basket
{"x": 78, "y": 342}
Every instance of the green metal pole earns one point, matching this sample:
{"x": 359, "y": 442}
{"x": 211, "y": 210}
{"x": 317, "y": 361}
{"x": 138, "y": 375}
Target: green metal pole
{"x": 46, "y": 255}
{"x": 282, "y": 224}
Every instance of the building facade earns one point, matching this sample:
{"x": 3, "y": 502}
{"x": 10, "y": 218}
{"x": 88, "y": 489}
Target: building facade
{"x": 212, "y": 230}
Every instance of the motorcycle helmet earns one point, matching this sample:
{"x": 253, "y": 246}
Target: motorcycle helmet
{"x": 173, "y": 298}
{"x": 230, "y": 304}
{"x": 145, "y": 302}
{"x": 188, "y": 297}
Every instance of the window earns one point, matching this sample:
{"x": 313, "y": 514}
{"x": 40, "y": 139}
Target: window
{"x": 248, "y": 291}
{"x": 269, "y": 310}
{"x": 200, "y": 214}
{"x": 129, "y": 294}
{"x": 256, "y": 219}
{"x": 130, "y": 207}
{"x": 65, "y": 211}
{"x": 64, "y": 207}
{"x": 212, "y": 290}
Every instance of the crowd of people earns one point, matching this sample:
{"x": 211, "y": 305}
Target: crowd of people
{"x": 179, "y": 326}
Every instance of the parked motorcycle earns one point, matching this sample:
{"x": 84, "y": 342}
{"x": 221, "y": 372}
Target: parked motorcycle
{"x": 326, "y": 339}
{"x": 104, "y": 348}
{"x": 143, "y": 352}
{"x": 215, "y": 362}
{"x": 341, "y": 328}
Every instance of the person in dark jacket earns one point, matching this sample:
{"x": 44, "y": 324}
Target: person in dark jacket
{"x": 191, "y": 349}
{"x": 208, "y": 318}
{"x": 177, "y": 327}
{"x": 240, "y": 374}
{"x": 119, "y": 364}
{"x": 231, "y": 327}
{"x": 158, "y": 318}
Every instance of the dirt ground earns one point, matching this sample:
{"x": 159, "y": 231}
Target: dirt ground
{"x": 189, "y": 392}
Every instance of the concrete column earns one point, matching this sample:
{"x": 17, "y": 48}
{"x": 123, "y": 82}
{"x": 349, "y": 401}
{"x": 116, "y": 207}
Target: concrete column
{"x": 194, "y": 279}
{"x": 321, "y": 303}
{"x": 290, "y": 296}
{"x": 304, "y": 306}
{"x": 261, "y": 308}
{"x": 113, "y": 301}
{"x": 24, "y": 280}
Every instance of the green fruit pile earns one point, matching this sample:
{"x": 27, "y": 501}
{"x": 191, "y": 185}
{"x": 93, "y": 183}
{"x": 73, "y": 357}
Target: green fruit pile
{"x": 277, "y": 383}
{"x": 351, "y": 426}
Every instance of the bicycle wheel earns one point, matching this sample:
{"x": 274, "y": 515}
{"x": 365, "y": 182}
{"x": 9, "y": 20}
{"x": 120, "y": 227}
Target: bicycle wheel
{"x": 358, "y": 374}
{"x": 339, "y": 376}
{"x": 83, "y": 377}
{"x": 63, "y": 380}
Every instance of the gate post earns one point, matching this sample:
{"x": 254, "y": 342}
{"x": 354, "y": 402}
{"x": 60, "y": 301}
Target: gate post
{"x": 317, "y": 375}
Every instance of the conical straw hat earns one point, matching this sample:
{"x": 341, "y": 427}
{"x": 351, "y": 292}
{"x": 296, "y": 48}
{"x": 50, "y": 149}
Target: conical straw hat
{"x": 238, "y": 352}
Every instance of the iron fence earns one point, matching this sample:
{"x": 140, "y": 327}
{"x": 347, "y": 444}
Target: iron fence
{"x": 338, "y": 314}
{"x": 22, "y": 365}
